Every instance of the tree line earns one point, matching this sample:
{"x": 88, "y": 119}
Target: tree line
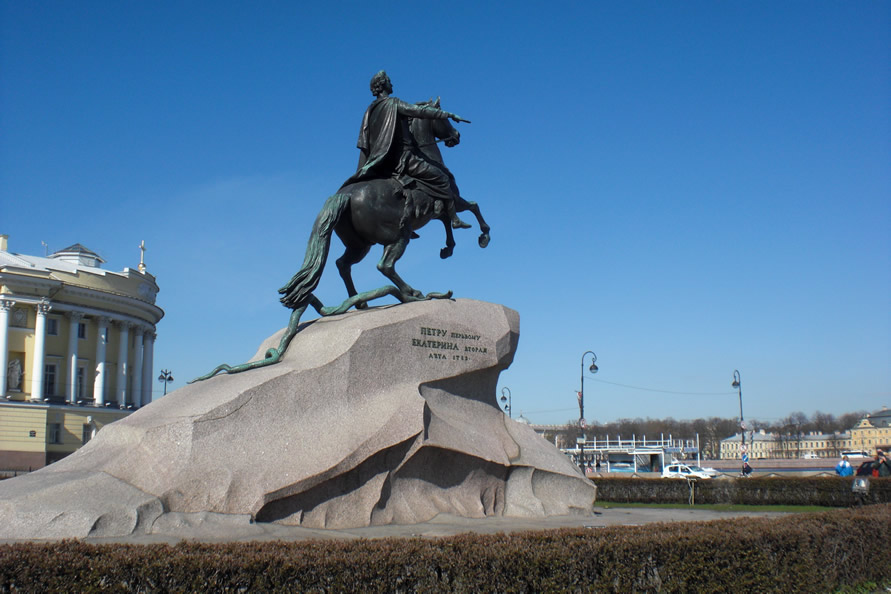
{"x": 712, "y": 430}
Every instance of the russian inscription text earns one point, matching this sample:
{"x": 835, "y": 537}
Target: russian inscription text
{"x": 442, "y": 339}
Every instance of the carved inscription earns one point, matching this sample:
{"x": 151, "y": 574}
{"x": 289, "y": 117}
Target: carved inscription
{"x": 444, "y": 344}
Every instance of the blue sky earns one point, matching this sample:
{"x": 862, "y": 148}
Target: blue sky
{"x": 685, "y": 188}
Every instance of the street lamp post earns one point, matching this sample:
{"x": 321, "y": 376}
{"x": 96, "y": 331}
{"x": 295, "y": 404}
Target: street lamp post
{"x": 592, "y": 369}
{"x": 737, "y": 383}
{"x": 507, "y": 399}
{"x": 166, "y": 376}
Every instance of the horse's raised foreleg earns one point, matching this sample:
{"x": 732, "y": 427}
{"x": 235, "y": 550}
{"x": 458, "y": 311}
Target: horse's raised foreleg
{"x": 387, "y": 265}
{"x": 449, "y": 249}
{"x": 462, "y": 205}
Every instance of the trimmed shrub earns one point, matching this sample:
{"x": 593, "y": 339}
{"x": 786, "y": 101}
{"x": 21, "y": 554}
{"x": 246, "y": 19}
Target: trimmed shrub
{"x": 801, "y": 552}
{"x": 830, "y": 491}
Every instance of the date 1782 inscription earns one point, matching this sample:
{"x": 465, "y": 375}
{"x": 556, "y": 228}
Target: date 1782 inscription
{"x": 447, "y": 344}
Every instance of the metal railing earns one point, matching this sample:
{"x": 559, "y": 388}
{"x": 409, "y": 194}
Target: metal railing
{"x": 617, "y": 443}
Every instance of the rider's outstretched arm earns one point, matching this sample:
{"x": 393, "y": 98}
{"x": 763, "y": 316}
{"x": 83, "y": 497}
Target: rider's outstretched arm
{"x": 426, "y": 112}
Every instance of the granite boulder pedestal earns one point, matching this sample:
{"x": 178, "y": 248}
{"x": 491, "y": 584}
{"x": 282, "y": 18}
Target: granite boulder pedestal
{"x": 382, "y": 416}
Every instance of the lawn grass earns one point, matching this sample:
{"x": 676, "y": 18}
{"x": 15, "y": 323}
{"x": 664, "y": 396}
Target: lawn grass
{"x": 722, "y": 507}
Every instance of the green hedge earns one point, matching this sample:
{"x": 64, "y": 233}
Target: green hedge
{"x": 803, "y": 552}
{"x": 782, "y": 490}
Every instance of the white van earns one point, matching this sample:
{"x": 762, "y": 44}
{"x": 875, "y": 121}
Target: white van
{"x": 683, "y": 471}
{"x": 856, "y": 454}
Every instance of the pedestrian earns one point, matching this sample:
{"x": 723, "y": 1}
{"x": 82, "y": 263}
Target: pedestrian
{"x": 844, "y": 468}
{"x": 881, "y": 466}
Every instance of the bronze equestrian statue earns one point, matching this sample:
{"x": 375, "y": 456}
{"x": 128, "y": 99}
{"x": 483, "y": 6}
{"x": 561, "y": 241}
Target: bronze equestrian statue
{"x": 400, "y": 185}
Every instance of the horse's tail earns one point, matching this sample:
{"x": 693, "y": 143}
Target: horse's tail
{"x": 298, "y": 291}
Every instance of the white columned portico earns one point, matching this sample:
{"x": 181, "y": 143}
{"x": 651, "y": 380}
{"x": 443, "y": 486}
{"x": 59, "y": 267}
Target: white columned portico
{"x": 148, "y": 362}
{"x": 74, "y": 319}
{"x": 43, "y": 308}
{"x": 5, "y": 306}
{"x": 123, "y": 344}
{"x": 101, "y": 344}
{"x": 136, "y": 380}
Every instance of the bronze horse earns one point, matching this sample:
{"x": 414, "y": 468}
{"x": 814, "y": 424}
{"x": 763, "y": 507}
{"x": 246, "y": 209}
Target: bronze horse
{"x": 376, "y": 212}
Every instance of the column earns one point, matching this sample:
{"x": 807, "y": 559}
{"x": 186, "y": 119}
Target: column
{"x": 148, "y": 355}
{"x": 43, "y": 308}
{"x": 123, "y": 347}
{"x": 101, "y": 344}
{"x": 5, "y": 306}
{"x": 74, "y": 319}
{"x": 136, "y": 380}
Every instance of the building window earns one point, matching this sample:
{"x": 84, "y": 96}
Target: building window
{"x": 49, "y": 380}
{"x": 81, "y": 383}
{"x": 87, "y": 433}
{"x": 82, "y": 330}
{"x": 52, "y": 327}
{"x": 54, "y": 433}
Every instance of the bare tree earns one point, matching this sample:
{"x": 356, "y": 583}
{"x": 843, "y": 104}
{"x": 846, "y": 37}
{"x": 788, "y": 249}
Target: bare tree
{"x": 849, "y": 420}
{"x": 794, "y": 427}
{"x": 824, "y": 422}
{"x": 571, "y": 432}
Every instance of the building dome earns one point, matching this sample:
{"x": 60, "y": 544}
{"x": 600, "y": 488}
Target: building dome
{"x": 78, "y": 254}
{"x": 880, "y": 418}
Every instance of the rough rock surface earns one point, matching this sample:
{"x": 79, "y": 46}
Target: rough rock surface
{"x": 385, "y": 416}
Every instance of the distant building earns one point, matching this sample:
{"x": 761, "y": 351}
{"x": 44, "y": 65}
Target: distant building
{"x": 813, "y": 444}
{"x": 873, "y": 432}
{"x": 76, "y": 350}
{"x": 759, "y": 444}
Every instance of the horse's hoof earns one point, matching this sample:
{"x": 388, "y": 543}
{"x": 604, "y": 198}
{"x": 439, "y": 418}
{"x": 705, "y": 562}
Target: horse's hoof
{"x": 484, "y": 240}
{"x": 445, "y": 253}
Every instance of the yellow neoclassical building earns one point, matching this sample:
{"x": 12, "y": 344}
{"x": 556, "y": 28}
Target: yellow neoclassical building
{"x": 873, "y": 432}
{"x": 76, "y": 350}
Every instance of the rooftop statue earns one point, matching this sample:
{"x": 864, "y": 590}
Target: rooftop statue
{"x": 400, "y": 185}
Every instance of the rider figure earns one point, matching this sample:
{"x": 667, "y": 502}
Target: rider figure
{"x": 388, "y": 148}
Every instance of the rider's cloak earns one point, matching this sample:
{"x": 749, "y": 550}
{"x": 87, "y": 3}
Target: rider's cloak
{"x": 375, "y": 138}
{"x": 385, "y": 141}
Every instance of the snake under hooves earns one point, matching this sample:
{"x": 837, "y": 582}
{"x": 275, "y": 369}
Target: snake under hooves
{"x": 274, "y": 355}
